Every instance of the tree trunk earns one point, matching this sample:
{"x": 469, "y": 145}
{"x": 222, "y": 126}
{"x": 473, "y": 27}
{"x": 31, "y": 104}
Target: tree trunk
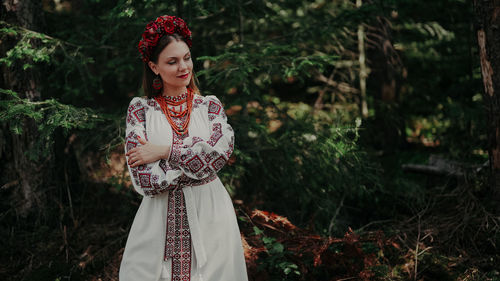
{"x": 386, "y": 73}
{"x": 487, "y": 27}
{"x": 30, "y": 175}
{"x": 180, "y": 4}
{"x": 363, "y": 69}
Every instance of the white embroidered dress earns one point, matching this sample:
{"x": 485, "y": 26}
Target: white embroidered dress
{"x": 204, "y": 241}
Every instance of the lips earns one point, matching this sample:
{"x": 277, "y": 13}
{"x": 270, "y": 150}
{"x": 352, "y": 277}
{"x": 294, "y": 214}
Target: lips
{"x": 184, "y": 76}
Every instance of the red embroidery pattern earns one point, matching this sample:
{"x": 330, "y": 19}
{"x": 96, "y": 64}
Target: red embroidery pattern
{"x": 152, "y": 103}
{"x": 140, "y": 115}
{"x": 178, "y": 238}
{"x": 216, "y": 134}
{"x": 143, "y": 175}
{"x": 130, "y": 144}
{"x": 213, "y": 110}
{"x": 194, "y": 164}
{"x": 145, "y": 179}
{"x": 219, "y": 163}
{"x": 203, "y": 164}
{"x": 177, "y": 98}
{"x": 136, "y": 112}
{"x": 197, "y": 101}
{"x": 230, "y": 148}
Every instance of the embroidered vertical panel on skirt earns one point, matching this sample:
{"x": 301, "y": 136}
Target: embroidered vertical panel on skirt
{"x": 178, "y": 239}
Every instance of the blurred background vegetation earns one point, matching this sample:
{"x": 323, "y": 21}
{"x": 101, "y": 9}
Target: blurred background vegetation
{"x": 351, "y": 118}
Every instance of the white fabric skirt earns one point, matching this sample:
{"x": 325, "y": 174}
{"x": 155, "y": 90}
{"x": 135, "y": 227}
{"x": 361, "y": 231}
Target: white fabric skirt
{"x": 217, "y": 252}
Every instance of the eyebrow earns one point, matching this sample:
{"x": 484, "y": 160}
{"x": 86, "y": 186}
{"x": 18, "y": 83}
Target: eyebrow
{"x": 176, "y": 57}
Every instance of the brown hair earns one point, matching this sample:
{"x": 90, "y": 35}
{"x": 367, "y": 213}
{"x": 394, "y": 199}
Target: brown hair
{"x": 148, "y": 74}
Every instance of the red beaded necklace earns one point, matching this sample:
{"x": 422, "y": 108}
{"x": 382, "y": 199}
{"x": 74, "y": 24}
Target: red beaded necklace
{"x": 168, "y": 105}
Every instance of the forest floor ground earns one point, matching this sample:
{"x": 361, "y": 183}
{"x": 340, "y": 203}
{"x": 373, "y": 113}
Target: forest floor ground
{"x": 454, "y": 237}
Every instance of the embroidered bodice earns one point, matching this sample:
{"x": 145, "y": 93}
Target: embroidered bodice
{"x": 194, "y": 158}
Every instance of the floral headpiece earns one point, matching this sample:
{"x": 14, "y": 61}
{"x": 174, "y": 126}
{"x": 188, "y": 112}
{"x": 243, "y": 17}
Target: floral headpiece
{"x": 164, "y": 25}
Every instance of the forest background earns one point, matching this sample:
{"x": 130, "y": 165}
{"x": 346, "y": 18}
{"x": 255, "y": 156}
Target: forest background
{"x": 365, "y": 134}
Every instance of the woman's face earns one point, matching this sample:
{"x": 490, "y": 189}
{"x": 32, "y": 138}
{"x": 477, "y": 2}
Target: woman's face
{"x": 174, "y": 66}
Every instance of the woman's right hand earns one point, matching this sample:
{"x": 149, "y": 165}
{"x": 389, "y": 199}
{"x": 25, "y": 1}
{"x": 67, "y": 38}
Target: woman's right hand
{"x": 147, "y": 153}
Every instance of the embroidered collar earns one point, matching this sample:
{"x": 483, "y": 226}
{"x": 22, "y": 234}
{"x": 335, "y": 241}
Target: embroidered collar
{"x": 176, "y": 98}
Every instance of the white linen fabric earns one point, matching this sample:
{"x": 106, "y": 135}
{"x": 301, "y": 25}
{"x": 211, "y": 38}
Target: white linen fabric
{"x": 216, "y": 248}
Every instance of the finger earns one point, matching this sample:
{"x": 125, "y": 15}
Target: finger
{"x": 142, "y": 141}
{"x": 131, "y": 151}
{"x": 133, "y": 157}
{"x": 135, "y": 164}
{"x": 135, "y": 160}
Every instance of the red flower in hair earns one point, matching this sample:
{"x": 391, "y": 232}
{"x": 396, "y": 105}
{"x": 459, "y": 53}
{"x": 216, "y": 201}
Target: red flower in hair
{"x": 141, "y": 46}
{"x": 150, "y": 38}
{"x": 169, "y": 27}
{"x": 185, "y": 33}
{"x": 152, "y": 27}
{"x": 181, "y": 24}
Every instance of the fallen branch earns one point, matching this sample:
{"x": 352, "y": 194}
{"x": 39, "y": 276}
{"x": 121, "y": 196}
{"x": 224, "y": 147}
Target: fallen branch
{"x": 443, "y": 167}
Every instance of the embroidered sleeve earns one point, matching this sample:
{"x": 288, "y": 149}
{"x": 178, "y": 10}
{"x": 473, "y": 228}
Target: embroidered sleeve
{"x": 153, "y": 178}
{"x": 202, "y": 158}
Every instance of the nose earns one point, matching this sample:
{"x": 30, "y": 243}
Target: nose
{"x": 182, "y": 65}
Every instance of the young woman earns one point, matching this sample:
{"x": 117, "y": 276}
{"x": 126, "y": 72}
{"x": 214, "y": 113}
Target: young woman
{"x": 176, "y": 142}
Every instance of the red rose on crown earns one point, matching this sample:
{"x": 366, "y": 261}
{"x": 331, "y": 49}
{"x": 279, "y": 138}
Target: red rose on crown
{"x": 152, "y": 27}
{"x": 165, "y": 18}
{"x": 151, "y": 39}
{"x": 143, "y": 49}
{"x": 169, "y": 27}
{"x": 180, "y": 24}
{"x": 185, "y": 33}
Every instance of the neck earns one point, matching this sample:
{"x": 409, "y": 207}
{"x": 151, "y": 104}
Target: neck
{"x": 168, "y": 91}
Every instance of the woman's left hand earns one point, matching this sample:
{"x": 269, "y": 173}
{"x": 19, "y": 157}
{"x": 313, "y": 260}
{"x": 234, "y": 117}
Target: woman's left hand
{"x": 146, "y": 153}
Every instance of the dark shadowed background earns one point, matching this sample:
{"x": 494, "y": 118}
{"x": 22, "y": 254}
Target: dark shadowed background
{"x": 365, "y": 134}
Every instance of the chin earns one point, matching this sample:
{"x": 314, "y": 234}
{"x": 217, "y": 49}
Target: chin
{"x": 178, "y": 85}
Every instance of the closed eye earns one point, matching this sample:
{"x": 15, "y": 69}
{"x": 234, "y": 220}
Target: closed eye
{"x": 174, "y": 60}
